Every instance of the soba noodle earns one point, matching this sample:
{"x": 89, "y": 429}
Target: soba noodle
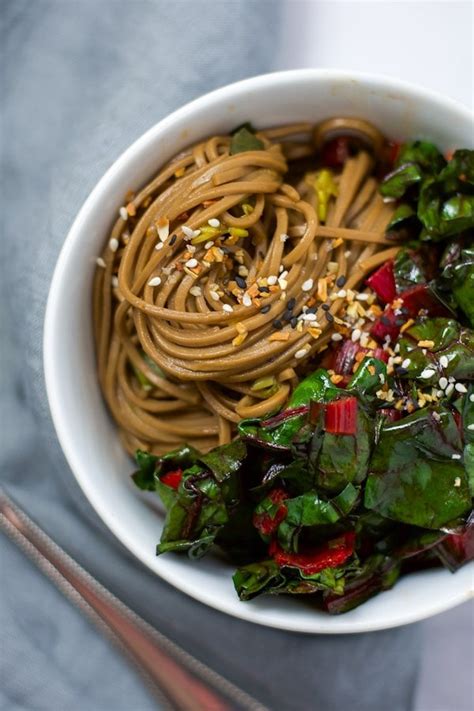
{"x": 219, "y": 283}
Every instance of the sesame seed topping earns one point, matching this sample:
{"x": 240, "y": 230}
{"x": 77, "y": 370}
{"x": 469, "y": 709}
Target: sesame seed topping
{"x": 427, "y": 373}
{"x": 173, "y": 240}
{"x": 283, "y": 237}
{"x": 309, "y": 317}
{"x": 470, "y": 427}
{"x": 307, "y": 285}
{"x": 265, "y": 309}
{"x": 280, "y": 268}
{"x": 214, "y": 295}
{"x": 301, "y": 353}
{"x": 163, "y": 227}
{"x": 340, "y": 281}
{"x": 443, "y": 361}
{"x": 100, "y": 262}
{"x": 449, "y": 389}
{"x": 457, "y": 481}
{"x": 159, "y": 246}
{"x": 471, "y": 397}
{"x": 188, "y": 232}
{"x": 195, "y": 291}
{"x": 283, "y": 283}
{"x": 214, "y": 222}
{"x": 226, "y": 307}
{"x": 443, "y": 383}
{"x": 191, "y": 263}
{"x": 272, "y": 280}
{"x": 347, "y": 253}
{"x": 277, "y": 324}
{"x": 355, "y": 335}
{"x": 336, "y": 337}
{"x": 291, "y": 304}
{"x": 155, "y": 281}
{"x": 455, "y": 456}
{"x": 460, "y": 388}
{"x": 247, "y": 300}
{"x": 243, "y": 271}
{"x": 341, "y": 294}
{"x": 115, "y": 285}
{"x": 113, "y": 244}
{"x": 329, "y": 316}
{"x": 209, "y": 244}
{"x": 406, "y": 363}
{"x": 123, "y": 213}
{"x": 196, "y": 233}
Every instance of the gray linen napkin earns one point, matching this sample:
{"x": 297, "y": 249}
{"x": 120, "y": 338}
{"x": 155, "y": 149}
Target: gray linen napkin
{"x": 80, "y": 81}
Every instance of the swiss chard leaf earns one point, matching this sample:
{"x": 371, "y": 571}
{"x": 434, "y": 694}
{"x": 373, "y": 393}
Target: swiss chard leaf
{"x": 408, "y": 270}
{"x": 368, "y": 377}
{"x": 226, "y": 460}
{"x": 144, "y": 477}
{"x": 413, "y": 476}
{"x": 459, "y": 275}
{"x": 245, "y": 140}
{"x": 415, "y": 161}
{"x": 310, "y": 509}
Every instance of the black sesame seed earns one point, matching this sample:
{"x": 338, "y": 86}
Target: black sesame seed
{"x": 241, "y": 282}
{"x": 264, "y": 289}
{"x": 226, "y": 250}
{"x": 290, "y": 305}
{"x": 287, "y": 315}
{"x": 340, "y": 281}
{"x": 294, "y": 322}
{"x": 329, "y": 317}
{"x": 312, "y": 310}
{"x": 401, "y": 371}
{"x": 265, "y": 309}
{"x": 172, "y": 240}
{"x": 386, "y": 321}
{"x": 277, "y": 324}
{"x": 326, "y": 307}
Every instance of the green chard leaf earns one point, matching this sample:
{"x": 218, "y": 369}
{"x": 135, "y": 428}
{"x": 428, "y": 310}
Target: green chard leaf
{"x": 397, "y": 182}
{"x": 416, "y": 474}
{"x": 466, "y": 409}
{"x": 310, "y": 510}
{"x": 368, "y": 377}
{"x": 415, "y": 162}
{"x": 144, "y": 477}
{"x": 453, "y": 346}
{"x": 408, "y": 270}
{"x": 459, "y": 275}
{"x": 244, "y": 139}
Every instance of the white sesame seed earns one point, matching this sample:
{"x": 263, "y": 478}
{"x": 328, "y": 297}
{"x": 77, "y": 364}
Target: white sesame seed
{"x": 283, "y": 237}
{"x": 309, "y": 317}
{"x": 455, "y": 456}
{"x": 364, "y": 339}
{"x": 471, "y": 397}
{"x": 271, "y": 280}
{"x": 457, "y": 481}
{"x": 195, "y": 291}
{"x": 427, "y": 373}
{"x": 436, "y": 416}
{"x": 449, "y": 390}
{"x": 280, "y": 268}
{"x": 191, "y": 248}
{"x": 336, "y": 337}
{"x": 347, "y": 253}
{"x": 191, "y": 263}
{"x": 443, "y": 383}
{"x": 439, "y": 393}
{"x": 341, "y": 294}
{"x": 470, "y": 427}
{"x": 406, "y": 363}
{"x": 188, "y": 232}
{"x": 356, "y": 333}
{"x": 227, "y": 307}
{"x": 196, "y": 233}
{"x": 382, "y": 378}
{"x": 214, "y": 222}
{"x": 163, "y": 231}
{"x": 246, "y": 300}
{"x": 460, "y": 388}
{"x": 100, "y": 262}
{"x": 388, "y": 199}
{"x": 301, "y": 353}
{"x": 155, "y": 281}
{"x": 451, "y": 379}
{"x": 159, "y": 246}
{"x": 214, "y": 295}
{"x": 283, "y": 283}
{"x": 209, "y": 244}
{"x": 113, "y": 244}
{"x": 307, "y": 285}
{"x": 123, "y": 213}
{"x": 443, "y": 361}
{"x": 284, "y": 274}
{"x": 397, "y": 348}
{"x": 115, "y": 285}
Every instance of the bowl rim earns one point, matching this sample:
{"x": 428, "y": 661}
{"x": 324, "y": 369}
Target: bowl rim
{"x": 53, "y": 387}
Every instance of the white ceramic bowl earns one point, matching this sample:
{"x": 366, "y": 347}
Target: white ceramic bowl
{"x": 85, "y": 430}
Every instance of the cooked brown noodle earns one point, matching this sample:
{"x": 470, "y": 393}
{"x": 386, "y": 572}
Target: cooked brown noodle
{"x": 185, "y": 358}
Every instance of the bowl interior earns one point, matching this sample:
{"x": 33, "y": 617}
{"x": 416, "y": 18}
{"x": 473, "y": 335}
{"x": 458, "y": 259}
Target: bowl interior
{"x": 85, "y": 430}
